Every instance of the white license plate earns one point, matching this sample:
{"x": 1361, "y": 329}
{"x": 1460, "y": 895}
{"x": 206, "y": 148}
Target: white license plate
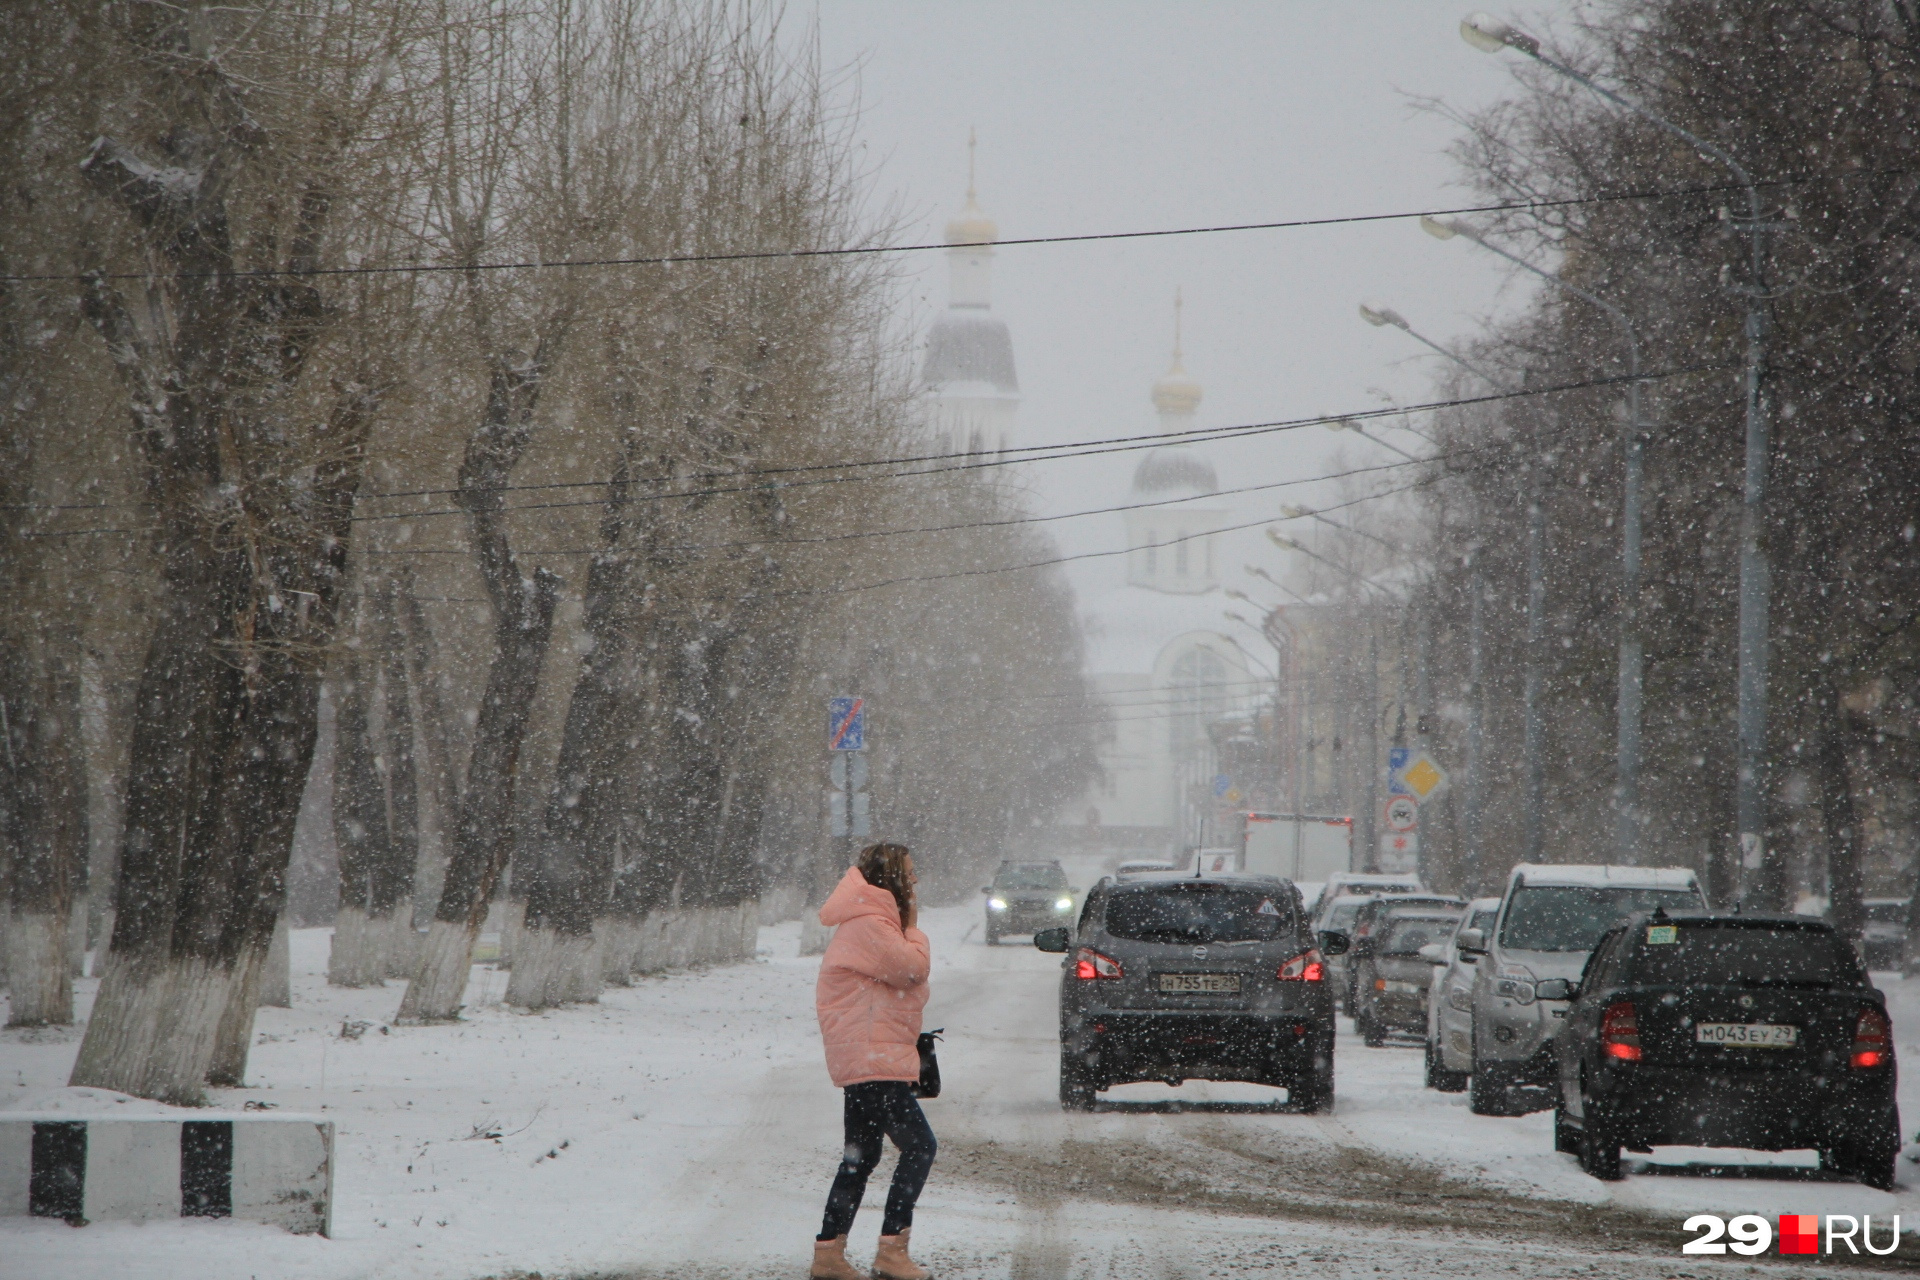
{"x": 1747, "y": 1035}
{"x": 1205, "y": 982}
{"x": 1403, "y": 988}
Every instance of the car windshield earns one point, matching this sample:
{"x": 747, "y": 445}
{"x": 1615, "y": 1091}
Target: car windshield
{"x": 1037, "y": 876}
{"x": 1572, "y": 917}
{"x": 1407, "y": 934}
{"x": 1340, "y": 915}
{"x": 1202, "y": 912}
{"x": 1743, "y": 956}
{"x": 1887, "y": 912}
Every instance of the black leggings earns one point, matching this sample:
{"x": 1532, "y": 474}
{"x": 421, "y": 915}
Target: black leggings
{"x": 875, "y": 1108}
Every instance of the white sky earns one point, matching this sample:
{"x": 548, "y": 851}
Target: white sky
{"x": 1121, "y": 116}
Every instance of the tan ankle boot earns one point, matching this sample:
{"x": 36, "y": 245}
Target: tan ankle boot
{"x": 891, "y": 1262}
{"x": 830, "y": 1261}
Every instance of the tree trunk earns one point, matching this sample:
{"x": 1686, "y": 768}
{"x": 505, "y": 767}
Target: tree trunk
{"x": 484, "y": 838}
{"x": 48, "y": 781}
{"x": 359, "y": 827}
{"x": 1845, "y": 902}
{"x": 392, "y": 890}
{"x": 435, "y": 736}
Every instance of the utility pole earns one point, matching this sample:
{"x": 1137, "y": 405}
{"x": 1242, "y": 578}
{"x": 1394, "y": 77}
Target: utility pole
{"x": 1476, "y": 700}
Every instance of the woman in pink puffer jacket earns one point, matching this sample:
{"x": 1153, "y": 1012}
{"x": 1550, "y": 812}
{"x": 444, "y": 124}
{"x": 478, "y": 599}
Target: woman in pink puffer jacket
{"x": 872, "y": 989}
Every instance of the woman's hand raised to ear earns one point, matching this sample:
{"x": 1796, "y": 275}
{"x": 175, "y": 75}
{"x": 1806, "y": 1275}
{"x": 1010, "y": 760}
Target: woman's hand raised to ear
{"x": 913, "y": 909}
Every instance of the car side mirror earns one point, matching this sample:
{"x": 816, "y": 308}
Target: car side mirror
{"x": 1334, "y": 944}
{"x": 1054, "y": 940}
{"x": 1556, "y": 989}
{"x": 1434, "y": 953}
{"x": 1471, "y": 942}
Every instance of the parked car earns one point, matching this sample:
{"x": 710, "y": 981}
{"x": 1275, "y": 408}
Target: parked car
{"x": 1726, "y": 1030}
{"x": 1358, "y": 885}
{"x": 1025, "y": 896}
{"x": 1371, "y": 914}
{"x": 1391, "y": 975}
{"x": 1550, "y": 918}
{"x": 1884, "y": 937}
{"x": 1450, "y": 1003}
{"x": 1197, "y": 978}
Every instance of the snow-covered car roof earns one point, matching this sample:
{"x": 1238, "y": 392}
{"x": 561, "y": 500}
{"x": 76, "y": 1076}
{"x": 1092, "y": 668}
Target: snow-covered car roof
{"x": 1535, "y": 873}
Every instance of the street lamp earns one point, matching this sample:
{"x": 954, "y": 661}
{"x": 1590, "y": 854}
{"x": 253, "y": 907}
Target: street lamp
{"x": 1626, "y": 822}
{"x": 1535, "y": 741}
{"x": 1306, "y": 513}
{"x": 1348, "y": 424}
{"x": 1492, "y": 35}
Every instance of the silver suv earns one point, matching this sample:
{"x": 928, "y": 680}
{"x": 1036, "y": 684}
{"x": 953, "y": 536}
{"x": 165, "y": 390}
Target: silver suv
{"x": 1450, "y": 1002}
{"x": 1550, "y": 918}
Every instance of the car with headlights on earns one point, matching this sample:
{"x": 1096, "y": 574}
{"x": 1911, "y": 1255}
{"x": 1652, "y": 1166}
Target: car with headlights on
{"x": 1550, "y": 918}
{"x": 1450, "y": 1003}
{"x": 1026, "y": 896}
{"x": 1391, "y": 973}
{"x": 1716, "y": 1029}
{"x": 1211, "y": 977}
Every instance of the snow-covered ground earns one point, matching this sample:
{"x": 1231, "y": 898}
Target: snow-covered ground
{"x": 685, "y": 1126}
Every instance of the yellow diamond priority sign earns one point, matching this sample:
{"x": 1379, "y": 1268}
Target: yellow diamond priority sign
{"x": 1424, "y": 777}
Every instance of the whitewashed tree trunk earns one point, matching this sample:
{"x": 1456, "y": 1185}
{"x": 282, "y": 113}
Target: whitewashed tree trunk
{"x": 276, "y": 979}
{"x": 354, "y": 957}
{"x": 39, "y": 987}
{"x": 618, "y": 941}
{"x": 152, "y": 1034}
{"x": 233, "y": 1038}
{"x": 554, "y": 968}
{"x": 438, "y": 989}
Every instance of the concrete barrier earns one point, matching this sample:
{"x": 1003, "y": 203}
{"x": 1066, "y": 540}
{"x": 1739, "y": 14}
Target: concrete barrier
{"x": 257, "y": 1168}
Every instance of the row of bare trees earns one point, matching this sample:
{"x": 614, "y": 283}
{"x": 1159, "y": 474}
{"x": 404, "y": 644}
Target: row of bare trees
{"x": 1821, "y": 102}
{"x": 342, "y": 363}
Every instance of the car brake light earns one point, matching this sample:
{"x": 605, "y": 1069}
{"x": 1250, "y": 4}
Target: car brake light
{"x": 1620, "y": 1032}
{"x": 1305, "y": 967}
{"x": 1872, "y": 1039}
{"x": 1091, "y": 964}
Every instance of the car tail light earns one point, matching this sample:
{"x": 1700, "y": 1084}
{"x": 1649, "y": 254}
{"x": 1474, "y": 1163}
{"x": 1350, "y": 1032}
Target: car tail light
{"x": 1872, "y": 1039}
{"x": 1091, "y": 964}
{"x": 1379, "y": 984}
{"x": 1620, "y": 1032}
{"x": 1305, "y": 967}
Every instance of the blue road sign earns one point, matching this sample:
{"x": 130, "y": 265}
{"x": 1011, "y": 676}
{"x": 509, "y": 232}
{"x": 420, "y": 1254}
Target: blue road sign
{"x": 1398, "y": 758}
{"x": 1221, "y": 785}
{"x": 846, "y": 724}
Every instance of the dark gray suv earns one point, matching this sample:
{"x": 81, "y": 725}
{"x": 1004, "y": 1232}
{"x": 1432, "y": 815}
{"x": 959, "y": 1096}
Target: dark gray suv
{"x": 1207, "y": 978}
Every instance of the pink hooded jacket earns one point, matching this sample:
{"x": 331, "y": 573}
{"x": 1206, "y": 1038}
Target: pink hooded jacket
{"x": 873, "y": 985}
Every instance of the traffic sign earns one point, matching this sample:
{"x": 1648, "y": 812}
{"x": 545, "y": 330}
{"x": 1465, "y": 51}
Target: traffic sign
{"x": 1221, "y": 785}
{"x": 846, "y": 724}
{"x": 1402, "y": 813}
{"x": 1413, "y": 773}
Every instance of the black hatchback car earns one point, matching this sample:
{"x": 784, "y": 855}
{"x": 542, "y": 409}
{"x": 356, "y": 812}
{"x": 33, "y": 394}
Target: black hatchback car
{"x": 1711, "y": 1029}
{"x": 1206, "y": 978}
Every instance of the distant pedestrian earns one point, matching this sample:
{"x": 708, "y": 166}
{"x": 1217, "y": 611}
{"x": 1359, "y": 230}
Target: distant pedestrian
{"x": 871, "y": 993}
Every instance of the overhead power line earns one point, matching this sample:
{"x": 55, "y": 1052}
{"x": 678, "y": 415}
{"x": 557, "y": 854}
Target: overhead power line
{"x": 755, "y": 255}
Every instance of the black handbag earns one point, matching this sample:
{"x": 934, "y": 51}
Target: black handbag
{"x": 928, "y": 1085}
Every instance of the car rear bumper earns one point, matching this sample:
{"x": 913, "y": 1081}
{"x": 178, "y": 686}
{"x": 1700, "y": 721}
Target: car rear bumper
{"x": 1397, "y": 1010}
{"x": 1781, "y": 1110}
{"x": 1123, "y": 1046}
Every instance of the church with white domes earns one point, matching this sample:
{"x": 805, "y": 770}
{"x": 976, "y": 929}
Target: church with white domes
{"x": 1154, "y": 656}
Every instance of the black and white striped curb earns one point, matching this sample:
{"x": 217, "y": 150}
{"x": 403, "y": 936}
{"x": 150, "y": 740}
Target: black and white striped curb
{"x": 276, "y": 1169}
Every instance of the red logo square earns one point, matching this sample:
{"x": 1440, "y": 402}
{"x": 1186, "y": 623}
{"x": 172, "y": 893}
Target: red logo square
{"x": 1799, "y": 1233}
